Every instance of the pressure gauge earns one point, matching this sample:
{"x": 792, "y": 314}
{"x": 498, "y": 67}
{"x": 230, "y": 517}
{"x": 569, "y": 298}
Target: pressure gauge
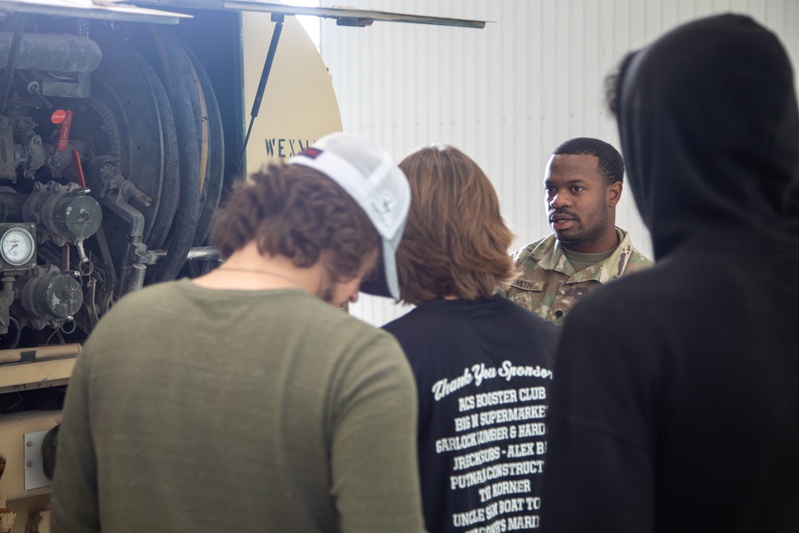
{"x": 17, "y": 246}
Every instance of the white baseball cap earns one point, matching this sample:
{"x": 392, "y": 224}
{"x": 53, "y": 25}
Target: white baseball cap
{"x": 370, "y": 176}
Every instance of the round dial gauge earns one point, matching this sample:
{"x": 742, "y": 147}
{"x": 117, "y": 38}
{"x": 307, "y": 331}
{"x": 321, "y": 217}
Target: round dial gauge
{"x": 17, "y": 246}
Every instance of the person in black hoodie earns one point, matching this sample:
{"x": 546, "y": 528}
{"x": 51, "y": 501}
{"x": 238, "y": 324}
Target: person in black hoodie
{"x": 675, "y": 399}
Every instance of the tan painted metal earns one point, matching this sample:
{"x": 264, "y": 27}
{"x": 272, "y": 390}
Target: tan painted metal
{"x": 35, "y": 375}
{"x": 38, "y": 353}
{"x": 298, "y": 107}
{"x": 12, "y": 446}
{"x": 299, "y": 104}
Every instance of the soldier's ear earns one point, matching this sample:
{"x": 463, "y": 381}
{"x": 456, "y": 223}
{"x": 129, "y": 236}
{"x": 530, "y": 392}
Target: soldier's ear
{"x": 613, "y": 193}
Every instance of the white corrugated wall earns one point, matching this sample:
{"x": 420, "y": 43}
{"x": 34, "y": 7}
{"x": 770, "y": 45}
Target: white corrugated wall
{"x": 507, "y": 94}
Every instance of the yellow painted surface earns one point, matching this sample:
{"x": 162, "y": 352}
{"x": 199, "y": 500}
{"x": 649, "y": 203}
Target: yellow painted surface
{"x": 37, "y": 374}
{"x": 299, "y": 105}
{"x": 13, "y": 427}
{"x": 12, "y": 446}
{"x": 27, "y": 507}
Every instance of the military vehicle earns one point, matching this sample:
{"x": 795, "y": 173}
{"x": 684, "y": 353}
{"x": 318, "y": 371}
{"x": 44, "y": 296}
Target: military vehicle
{"x": 122, "y": 128}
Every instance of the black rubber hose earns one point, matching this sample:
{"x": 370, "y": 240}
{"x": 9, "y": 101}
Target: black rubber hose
{"x": 176, "y": 74}
{"x": 132, "y": 92}
{"x": 170, "y": 184}
{"x": 11, "y": 61}
{"x": 215, "y": 153}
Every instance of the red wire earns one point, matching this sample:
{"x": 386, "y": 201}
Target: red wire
{"x": 78, "y": 168}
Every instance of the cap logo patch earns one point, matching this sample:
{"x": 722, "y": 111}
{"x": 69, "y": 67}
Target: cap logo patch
{"x": 311, "y": 152}
{"x": 384, "y": 206}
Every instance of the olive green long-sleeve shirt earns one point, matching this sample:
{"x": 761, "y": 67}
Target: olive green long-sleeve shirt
{"x": 199, "y": 410}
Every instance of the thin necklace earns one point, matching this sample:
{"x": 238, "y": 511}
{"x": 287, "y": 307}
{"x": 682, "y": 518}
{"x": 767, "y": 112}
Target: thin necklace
{"x": 264, "y": 272}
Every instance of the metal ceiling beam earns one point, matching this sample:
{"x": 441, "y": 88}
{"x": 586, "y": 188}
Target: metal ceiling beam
{"x": 344, "y": 16}
{"x": 91, "y": 9}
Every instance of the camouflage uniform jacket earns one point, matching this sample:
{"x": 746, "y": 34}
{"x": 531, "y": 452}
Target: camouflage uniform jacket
{"x": 548, "y": 285}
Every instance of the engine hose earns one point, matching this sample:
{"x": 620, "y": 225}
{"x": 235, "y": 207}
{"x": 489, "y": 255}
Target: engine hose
{"x": 214, "y": 151}
{"x": 10, "y": 343}
{"x": 11, "y": 61}
{"x": 108, "y": 123}
{"x": 177, "y": 71}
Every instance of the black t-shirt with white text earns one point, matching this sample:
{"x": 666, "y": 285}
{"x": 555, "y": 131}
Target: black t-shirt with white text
{"x": 482, "y": 371}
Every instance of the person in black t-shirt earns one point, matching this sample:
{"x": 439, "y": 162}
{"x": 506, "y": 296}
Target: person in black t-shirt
{"x": 482, "y": 364}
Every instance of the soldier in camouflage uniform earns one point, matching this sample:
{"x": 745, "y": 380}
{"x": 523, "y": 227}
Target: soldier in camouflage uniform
{"x": 583, "y": 183}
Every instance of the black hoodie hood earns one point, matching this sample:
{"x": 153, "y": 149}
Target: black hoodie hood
{"x": 709, "y": 129}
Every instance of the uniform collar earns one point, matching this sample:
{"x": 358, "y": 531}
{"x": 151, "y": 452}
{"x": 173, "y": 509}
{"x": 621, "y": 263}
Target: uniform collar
{"x": 549, "y": 256}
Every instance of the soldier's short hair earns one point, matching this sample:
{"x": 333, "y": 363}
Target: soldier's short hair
{"x": 455, "y": 241}
{"x": 297, "y": 212}
{"x": 610, "y": 163}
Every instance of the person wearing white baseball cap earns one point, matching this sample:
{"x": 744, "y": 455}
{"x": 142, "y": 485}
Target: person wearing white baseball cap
{"x": 251, "y": 402}
{"x": 375, "y": 182}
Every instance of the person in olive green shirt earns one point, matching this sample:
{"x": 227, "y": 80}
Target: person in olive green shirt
{"x": 245, "y": 400}
{"x": 583, "y": 185}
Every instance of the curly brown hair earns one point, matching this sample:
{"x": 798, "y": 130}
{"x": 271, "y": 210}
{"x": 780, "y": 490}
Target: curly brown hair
{"x": 299, "y": 213}
{"x": 455, "y": 241}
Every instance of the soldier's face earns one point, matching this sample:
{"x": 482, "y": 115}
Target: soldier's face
{"x": 579, "y": 202}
